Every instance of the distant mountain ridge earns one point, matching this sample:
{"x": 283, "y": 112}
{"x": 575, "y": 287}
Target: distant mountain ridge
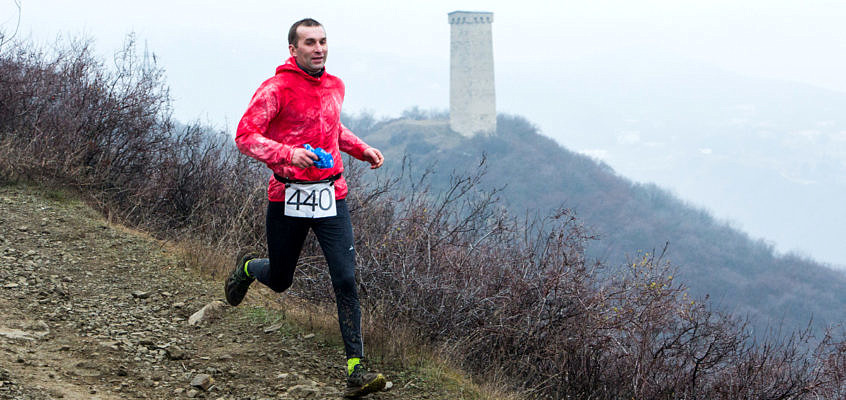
{"x": 739, "y": 273}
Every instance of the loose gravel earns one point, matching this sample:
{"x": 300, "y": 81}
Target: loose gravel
{"x": 90, "y": 310}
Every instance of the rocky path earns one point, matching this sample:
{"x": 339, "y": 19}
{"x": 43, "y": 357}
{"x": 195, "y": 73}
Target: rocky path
{"x": 94, "y": 311}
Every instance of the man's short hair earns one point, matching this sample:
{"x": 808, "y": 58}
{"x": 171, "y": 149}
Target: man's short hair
{"x": 292, "y": 33}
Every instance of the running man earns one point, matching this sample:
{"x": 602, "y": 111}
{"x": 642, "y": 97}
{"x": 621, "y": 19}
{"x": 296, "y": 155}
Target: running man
{"x": 301, "y": 105}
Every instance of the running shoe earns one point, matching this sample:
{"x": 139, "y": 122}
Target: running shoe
{"x": 361, "y": 382}
{"x": 238, "y": 282}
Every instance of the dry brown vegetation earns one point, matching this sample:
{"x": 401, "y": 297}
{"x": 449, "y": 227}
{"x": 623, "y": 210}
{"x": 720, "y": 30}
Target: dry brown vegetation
{"x": 511, "y": 299}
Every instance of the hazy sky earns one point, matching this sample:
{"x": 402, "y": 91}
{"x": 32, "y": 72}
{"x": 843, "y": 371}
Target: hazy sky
{"x": 395, "y": 55}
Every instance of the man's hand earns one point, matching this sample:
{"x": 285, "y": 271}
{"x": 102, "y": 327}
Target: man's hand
{"x": 374, "y": 157}
{"x": 303, "y": 158}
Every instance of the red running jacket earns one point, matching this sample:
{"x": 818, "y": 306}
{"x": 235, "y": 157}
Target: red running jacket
{"x": 291, "y": 109}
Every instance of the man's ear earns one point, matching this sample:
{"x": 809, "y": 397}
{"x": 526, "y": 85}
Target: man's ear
{"x": 291, "y": 49}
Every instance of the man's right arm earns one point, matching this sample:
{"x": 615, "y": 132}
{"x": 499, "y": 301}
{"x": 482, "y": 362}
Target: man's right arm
{"x": 251, "y": 136}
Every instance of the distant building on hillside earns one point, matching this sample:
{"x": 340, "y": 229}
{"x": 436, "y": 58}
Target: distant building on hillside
{"x": 472, "y": 99}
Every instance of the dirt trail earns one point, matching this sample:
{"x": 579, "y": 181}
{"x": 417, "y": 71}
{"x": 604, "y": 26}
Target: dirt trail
{"x": 93, "y": 311}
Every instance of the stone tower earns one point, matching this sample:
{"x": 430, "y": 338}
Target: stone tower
{"x": 472, "y": 100}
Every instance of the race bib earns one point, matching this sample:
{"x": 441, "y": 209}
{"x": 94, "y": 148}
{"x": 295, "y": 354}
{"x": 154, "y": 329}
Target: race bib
{"x": 310, "y": 200}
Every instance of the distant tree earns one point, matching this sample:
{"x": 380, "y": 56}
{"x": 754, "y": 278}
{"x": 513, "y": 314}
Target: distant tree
{"x": 418, "y": 114}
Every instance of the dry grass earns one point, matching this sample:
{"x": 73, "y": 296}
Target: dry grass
{"x": 400, "y": 347}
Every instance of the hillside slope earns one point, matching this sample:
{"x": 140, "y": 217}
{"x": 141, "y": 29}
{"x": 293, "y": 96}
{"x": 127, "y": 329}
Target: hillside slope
{"x": 90, "y": 310}
{"x": 741, "y": 274}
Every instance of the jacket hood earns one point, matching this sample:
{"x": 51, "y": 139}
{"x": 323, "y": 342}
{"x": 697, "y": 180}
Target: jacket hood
{"x": 291, "y": 66}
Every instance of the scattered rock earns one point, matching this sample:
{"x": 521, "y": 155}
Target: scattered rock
{"x": 128, "y": 337}
{"x": 273, "y": 328}
{"x": 112, "y": 344}
{"x": 10, "y": 333}
{"x": 303, "y": 392}
{"x": 175, "y": 353}
{"x": 388, "y": 386}
{"x": 85, "y": 368}
{"x": 207, "y": 313}
{"x": 202, "y": 381}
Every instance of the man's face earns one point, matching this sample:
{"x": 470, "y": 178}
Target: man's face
{"x": 311, "y": 48}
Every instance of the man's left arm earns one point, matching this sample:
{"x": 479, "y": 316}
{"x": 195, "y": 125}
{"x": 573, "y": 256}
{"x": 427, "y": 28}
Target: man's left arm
{"x": 351, "y": 144}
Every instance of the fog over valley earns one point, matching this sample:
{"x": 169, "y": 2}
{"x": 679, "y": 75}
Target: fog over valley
{"x": 767, "y": 155}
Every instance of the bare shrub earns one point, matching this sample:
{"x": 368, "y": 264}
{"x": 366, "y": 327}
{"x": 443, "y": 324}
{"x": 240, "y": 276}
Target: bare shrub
{"x": 515, "y": 299}
{"x": 84, "y": 125}
{"x": 511, "y": 299}
{"x": 66, "y": 119}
